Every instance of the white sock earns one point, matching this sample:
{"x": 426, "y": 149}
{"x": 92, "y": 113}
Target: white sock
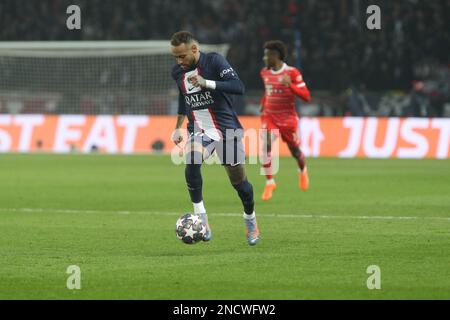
{"x": 250, "y": 216}
{"x": 199, "y": 208}
{"x": 270, "y": 181}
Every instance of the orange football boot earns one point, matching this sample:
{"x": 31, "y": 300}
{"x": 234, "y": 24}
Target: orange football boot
{"x": 268, "y": 190}
{"x": 303, "y": 182}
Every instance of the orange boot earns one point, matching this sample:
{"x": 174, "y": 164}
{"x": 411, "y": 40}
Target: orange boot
{"x": 268, "y": 190}
{"x": 303, "y": 182}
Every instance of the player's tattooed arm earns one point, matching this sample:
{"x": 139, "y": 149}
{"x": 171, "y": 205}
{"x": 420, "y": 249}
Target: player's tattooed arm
{"x": 180, "y": 120}
{"x": 177, "y": 134}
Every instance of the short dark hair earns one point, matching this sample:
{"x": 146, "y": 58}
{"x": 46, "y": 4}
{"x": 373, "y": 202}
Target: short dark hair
{"x": 278, "y": 46}
{"x": 181, "y": 37}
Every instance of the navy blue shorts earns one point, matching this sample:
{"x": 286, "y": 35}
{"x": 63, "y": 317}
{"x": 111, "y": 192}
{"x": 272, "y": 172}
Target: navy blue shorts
{"x": 230, "y": 152}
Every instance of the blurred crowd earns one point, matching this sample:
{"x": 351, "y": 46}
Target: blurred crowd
{"x": 328, "y": 39}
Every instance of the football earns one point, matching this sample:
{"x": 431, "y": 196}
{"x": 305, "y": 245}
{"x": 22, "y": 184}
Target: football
{"x": 190, "y": 228}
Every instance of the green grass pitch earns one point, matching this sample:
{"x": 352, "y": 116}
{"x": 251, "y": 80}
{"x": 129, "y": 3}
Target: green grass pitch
{"x": 114, "y": 217}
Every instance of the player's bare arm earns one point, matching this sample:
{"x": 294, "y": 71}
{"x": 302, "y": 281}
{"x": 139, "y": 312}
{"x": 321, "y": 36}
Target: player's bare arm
{"x": 177, "y": 136}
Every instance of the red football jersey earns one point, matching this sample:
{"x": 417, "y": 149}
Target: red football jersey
{"x": 279, "y": 98}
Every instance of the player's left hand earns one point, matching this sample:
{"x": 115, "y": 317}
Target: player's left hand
{"x": 286, "y": 80}
{"x": 197, "y": 81}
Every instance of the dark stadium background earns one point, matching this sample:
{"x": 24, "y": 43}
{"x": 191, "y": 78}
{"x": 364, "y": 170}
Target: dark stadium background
{"x": 91, "y": 179}
{"x": 349, "y": 68}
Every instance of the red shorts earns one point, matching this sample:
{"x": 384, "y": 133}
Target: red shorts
{"x": 287, "y": 124}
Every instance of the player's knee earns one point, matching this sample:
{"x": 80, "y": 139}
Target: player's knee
{"x": 239, "y": 181}
{"x": 236, "y": 174}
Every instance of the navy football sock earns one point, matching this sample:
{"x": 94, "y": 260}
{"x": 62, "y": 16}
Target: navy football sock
{"x": 194, "y": 182}
{"x": 245, "y": 192}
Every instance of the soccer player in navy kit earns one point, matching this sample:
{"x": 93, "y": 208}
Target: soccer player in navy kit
{"x": 207, "y": 84}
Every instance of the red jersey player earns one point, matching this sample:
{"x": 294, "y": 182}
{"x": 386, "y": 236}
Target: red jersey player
{"x": 282, "y": 84}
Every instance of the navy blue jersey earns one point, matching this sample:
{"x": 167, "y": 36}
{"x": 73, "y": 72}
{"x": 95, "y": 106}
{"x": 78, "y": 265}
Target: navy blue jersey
{"x": 209, "y": 111}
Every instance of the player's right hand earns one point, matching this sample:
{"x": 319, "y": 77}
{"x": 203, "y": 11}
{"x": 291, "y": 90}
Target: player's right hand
{"x": 177, "y": 136}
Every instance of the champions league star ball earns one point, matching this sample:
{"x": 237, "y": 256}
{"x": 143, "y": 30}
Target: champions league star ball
{"x": 190, "y": 228}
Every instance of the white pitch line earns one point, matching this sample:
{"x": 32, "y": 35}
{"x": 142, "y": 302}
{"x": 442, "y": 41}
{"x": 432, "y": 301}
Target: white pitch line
{"x": 269, "y": 215}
